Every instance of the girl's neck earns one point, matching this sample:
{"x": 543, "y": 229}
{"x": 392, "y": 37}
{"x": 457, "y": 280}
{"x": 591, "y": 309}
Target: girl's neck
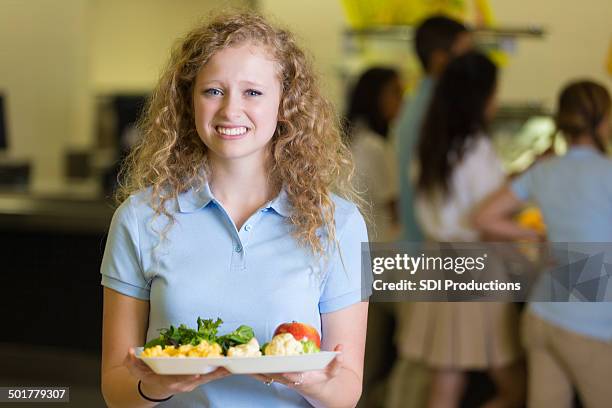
{"x": 241, "y": 182}
{"x": 584, "y": 140}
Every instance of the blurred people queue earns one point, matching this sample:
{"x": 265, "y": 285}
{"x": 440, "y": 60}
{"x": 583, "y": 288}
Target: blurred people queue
{"x": 453, "y": 198}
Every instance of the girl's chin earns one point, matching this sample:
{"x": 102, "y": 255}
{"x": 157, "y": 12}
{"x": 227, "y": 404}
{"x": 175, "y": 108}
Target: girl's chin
{"x": 235, "y": 154}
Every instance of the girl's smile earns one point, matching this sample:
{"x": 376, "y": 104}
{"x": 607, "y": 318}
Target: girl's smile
{"x": 231, "y": 132}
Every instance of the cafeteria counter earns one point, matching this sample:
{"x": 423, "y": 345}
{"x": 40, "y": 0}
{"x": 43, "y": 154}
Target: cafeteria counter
{"x": 51, "y": 247}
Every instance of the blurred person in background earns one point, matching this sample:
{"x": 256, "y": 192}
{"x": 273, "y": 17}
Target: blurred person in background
{"x": 569, "y": 345}
{"x": 459, "y": 168}
{"x": 437, "y": 40}
{"x": 373, "y": 104}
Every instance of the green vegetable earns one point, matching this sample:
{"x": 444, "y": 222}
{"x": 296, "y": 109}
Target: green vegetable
{"x": 155, "y": 342}
{"x": 172, "y": 336}
{"x": 207, "y": 330}
{"x": 241, "y": 335}
{"x": 310, "y": 347}
{"x": 263, "y": 348}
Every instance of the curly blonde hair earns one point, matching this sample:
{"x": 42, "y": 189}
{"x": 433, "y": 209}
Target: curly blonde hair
{"x": 308, "y": 156}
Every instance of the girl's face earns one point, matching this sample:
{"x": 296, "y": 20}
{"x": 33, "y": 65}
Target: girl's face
{"x": 391, "y": 99}
{"x": 235, "y": 99}
{"x": 491, "y": 106}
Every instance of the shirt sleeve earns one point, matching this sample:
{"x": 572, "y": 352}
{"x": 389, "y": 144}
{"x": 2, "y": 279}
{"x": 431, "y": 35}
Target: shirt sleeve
{"x": 344, "y": 284}
{"x": 522, "y": 185}
{"x": 121, "y": 265}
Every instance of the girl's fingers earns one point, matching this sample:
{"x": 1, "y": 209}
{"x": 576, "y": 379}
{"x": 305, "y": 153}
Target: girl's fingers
{"x": 295, "y": 378}
{"x": 259, "y": 377}
{"x": 278, "y": 378}
{"x": 214, "y": 375}
{"x": 336, "y": 364}
{"x": 134, "y": 365}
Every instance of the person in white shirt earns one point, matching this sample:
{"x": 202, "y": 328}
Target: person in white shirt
{"x": 374, "y": 103}
{"x": 458, "y": 169}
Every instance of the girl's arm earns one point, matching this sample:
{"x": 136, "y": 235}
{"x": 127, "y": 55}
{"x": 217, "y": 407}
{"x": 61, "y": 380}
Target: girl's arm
{"x": 494, "y": 220}
{"x": 340, "y": 383}
{"x": 125, "y": 322}
{"x": 345, "y": 328}
{"x": 124, "y": 326}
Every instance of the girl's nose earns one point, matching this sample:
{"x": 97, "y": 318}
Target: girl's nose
{"x": 232, "y": 107}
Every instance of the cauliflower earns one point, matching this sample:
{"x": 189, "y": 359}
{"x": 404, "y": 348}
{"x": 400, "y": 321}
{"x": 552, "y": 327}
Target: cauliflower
{"x": 284, "y": 345}
{"x": 250, "y": 349}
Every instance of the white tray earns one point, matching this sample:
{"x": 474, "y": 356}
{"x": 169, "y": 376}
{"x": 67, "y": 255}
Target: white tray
{"x": 239, "y": 365}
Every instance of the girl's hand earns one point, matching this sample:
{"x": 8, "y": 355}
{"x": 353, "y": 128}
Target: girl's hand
{"x": 162, "y": 386}
{"x": 307, "y": 382}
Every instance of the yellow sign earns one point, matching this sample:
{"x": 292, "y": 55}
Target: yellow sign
{"x": 365, "y": 13}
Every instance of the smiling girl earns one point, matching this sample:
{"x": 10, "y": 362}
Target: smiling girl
{"x": 227, "y": 210}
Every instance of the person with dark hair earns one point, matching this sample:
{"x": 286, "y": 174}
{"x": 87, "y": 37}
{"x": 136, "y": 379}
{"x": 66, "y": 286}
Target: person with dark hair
{"x": 437, "y": 40}
{"x": 459, "y": 168}
{"x": 374, "y": 102}
{"x": 569, "y": 344}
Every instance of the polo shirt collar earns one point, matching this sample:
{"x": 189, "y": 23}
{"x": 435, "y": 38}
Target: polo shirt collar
{"x": 280, "y": 204}
{"x": 582, "y": 150}
{"x": 194, "y": 199}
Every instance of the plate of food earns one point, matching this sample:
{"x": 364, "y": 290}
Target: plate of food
{"x": 182, "y": 350}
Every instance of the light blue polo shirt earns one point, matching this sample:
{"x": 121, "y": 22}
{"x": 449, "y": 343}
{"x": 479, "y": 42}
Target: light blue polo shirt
{"x": 574, "y": 193}
{"x": 407, "y": 135}
{"x": 258, "y": 276}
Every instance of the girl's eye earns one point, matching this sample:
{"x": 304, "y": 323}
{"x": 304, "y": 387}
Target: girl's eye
{"x": 253, "y": 92}
{"x": 213, "y": 92}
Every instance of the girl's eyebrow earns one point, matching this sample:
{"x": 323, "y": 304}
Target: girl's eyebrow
{"x": 245, "y": 82}
{"x": 251, "y": 83}
{"x": 211, "y": 81}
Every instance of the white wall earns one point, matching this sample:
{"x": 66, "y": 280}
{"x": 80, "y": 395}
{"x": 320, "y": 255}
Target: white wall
{"x": 578, "y": 37}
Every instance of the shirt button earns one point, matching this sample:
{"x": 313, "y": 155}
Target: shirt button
{"x": 247, "y": 227}
{"x": 238, "y": 248}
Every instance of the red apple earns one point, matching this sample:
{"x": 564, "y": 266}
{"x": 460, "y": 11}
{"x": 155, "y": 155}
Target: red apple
{"x": 299, "y": 331}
